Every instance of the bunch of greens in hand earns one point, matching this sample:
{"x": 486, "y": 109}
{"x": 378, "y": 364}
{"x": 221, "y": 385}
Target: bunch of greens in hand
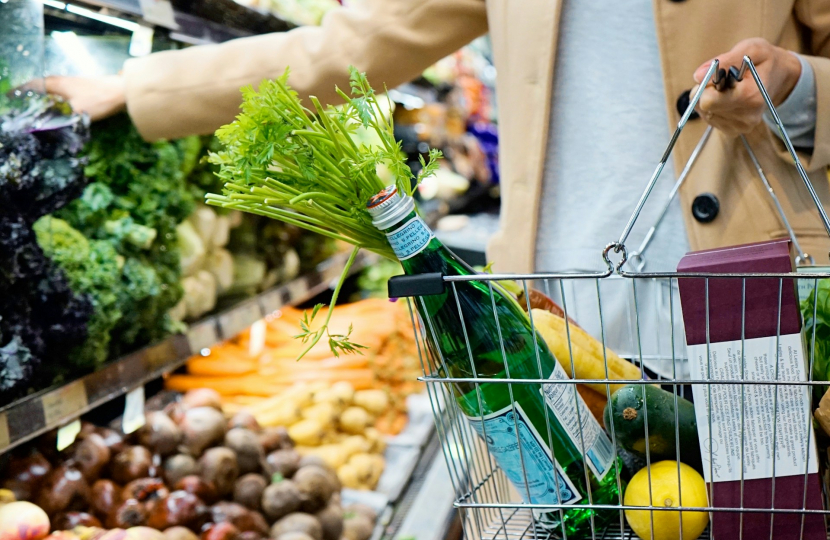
{"x": 307, "y": 167}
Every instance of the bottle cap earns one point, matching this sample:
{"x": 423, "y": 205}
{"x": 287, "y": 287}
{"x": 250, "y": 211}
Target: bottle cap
{"x": 388, "y": 207}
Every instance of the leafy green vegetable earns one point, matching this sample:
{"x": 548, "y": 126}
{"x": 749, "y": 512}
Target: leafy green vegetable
{"x": 307, "y": 167}
{"x": 92, "y": 268}
{"x": 41, "y": 317}
{"x": 137, "y": 198}
{"x": 816, "y": 315}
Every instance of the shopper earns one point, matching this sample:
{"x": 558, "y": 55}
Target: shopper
{"x": 588, "y": 93}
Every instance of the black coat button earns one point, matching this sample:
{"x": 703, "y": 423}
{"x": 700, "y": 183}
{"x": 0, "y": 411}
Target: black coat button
{"x": 705, "y": 207}
{"x": 683, "y": 103}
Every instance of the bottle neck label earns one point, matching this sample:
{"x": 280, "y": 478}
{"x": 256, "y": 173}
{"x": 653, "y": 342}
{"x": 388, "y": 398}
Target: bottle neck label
{"x": 410, "y": 238}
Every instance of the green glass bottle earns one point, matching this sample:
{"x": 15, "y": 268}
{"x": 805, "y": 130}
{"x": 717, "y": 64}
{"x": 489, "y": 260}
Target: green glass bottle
{"x": 546, "y": 465}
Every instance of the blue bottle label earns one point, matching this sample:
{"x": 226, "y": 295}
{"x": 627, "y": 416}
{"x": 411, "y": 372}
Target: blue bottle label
{"x": 524, "y": 457}
{"x": 410, "y": 238}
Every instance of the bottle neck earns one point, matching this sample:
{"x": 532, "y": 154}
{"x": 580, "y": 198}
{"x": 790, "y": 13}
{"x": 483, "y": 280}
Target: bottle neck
{"x": 411, "y": 239}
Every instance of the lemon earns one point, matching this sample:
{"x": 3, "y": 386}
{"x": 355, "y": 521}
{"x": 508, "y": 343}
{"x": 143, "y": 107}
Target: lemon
{"x": 666, "y": 492}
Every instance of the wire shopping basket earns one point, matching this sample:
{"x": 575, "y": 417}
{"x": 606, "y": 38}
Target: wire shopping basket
{"x": 738, "y": 407}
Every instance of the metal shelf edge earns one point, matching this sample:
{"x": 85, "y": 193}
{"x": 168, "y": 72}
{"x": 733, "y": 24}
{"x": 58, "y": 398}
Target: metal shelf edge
{"x": 38, "y": 413}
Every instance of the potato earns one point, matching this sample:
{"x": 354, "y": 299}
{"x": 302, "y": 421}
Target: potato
{"x": 339, "y": 394}
{"x": 374, "y": 401}
{"x": 307, "y": 432}
{"x": 368, "y": 468}
{"x": 355, "y": 420}
{"x": 348, "y": 475}
{"x": 325, "y": 413}
{"x": 377, "y": 444}
{"x": 283, "y": 413}
{"x": 355, "y": 444}
{"x": 333, "y": 455}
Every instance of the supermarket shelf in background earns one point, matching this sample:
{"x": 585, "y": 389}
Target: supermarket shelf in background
{"x": 192, "y": 29}
{"x": 33, "y": 415}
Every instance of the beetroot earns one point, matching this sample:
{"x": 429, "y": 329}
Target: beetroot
{"x": 69, "y": 520}
{"x": 220, "y": 531}
{"x": 131, "y": 464}
{"x": 64, "y": 489}
{"x": 91, "y": 455}
{"x": 248, "y": 491}
{"x": 129, "y": 514}
{"x": 106, "y": 497}
{"x": 177, "y": 467}
{"x": 199, "y": 487}
{"x": 218, "y": 466}
{"x": 25, "y": 475}
{"x": 201, "y": 427}
{"x": 248, "y": 449}
{"x": 160, "y": 434}
{"x": 178, "y": 509}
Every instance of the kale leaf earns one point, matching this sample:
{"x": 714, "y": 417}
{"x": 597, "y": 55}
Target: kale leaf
{"x": 41, "y": 317}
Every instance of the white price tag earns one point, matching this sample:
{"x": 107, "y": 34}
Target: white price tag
{"x": 67, "y": 434}
{"x": 141, "y": 42}
{"x": 133, "y": 418}
{"x": 256, "y": 339}
{"x": 159, "y": 12}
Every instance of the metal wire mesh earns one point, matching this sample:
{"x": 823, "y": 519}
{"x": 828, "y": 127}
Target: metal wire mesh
{"x": 491, "y": 507}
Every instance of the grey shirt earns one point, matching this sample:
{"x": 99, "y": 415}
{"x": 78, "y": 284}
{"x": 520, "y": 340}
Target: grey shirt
{"x": 608, "y": 129}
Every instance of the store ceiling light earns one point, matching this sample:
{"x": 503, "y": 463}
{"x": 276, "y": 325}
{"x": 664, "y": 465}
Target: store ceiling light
{"x": 94, "y": 15}
{"x": 77, "y": 52}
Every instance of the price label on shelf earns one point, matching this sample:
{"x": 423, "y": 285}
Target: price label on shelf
{"x": 68, "y": 433}
{"x": 133, "y": 418}
{"x": 158, "y": 12}
{"x": 256, "y": 341}
{"x": 5, "y": 438}
{"x": 64, "y": 402}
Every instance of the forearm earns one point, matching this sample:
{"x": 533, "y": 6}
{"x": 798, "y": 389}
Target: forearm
{"x": 196, "y": 90}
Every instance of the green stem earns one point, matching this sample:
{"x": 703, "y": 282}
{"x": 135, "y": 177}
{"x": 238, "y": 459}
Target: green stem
{"x": 343, "y": 275}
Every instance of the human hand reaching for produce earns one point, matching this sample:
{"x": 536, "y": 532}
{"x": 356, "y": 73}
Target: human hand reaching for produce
{"x": 740, "y": 109}
{"x": 98, "y": 97}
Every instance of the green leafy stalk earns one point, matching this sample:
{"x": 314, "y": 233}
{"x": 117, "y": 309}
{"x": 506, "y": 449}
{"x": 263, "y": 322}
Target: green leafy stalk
{"x": 310, "y": 167}
{"x": 337, "y": 342}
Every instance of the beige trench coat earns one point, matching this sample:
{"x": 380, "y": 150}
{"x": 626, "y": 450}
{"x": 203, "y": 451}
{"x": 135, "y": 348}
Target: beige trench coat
{"x": 196, "y": 90}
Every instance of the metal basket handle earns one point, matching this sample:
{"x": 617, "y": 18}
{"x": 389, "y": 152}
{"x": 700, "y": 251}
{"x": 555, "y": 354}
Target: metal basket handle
{"x": 715, "y": 75}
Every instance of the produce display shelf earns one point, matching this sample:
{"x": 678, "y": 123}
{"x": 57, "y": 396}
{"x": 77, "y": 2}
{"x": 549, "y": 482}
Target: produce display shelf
{"x": 184, "y": 28}
{"x": 38, "y": 413}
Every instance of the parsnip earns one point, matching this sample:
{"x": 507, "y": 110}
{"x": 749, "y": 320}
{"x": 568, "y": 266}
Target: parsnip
{"x": 586, "y": 352}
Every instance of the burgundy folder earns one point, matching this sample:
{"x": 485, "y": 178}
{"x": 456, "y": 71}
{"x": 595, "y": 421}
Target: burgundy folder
{"x": 762, "y": 320}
